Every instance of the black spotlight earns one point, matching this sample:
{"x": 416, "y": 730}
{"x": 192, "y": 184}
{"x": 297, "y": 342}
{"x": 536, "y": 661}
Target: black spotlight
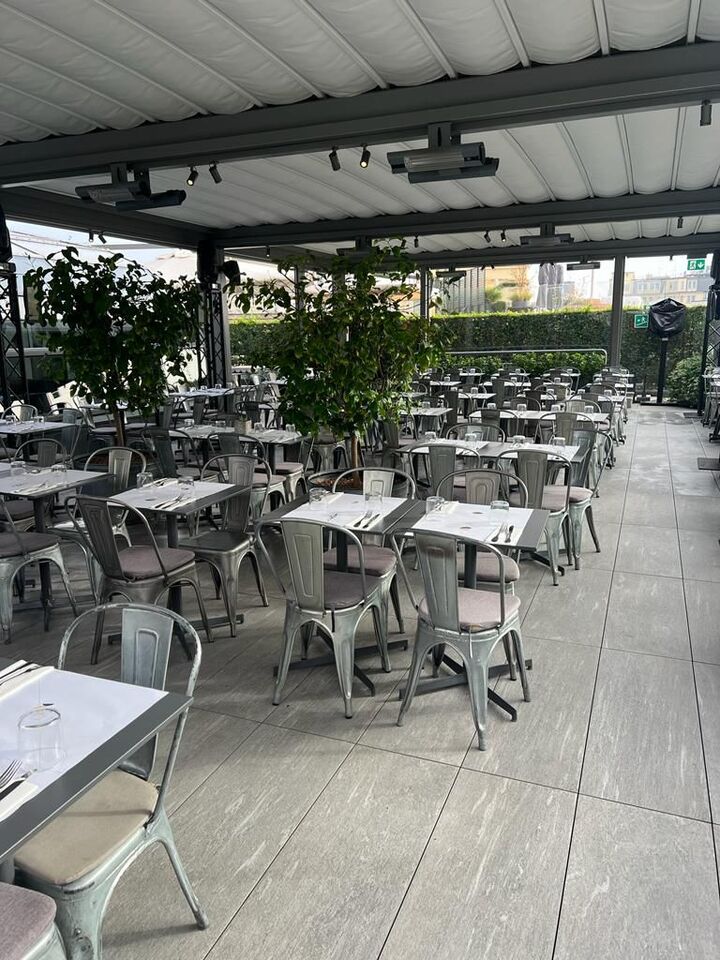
{"x": 705, "y": 113}
{"x": 91, "y": 236}
{"x": 214, "y": 173}
{"x": 334, "y": 159}
{"x": 101, "y": 237}
{"x": 267, "y": 253}
{"x": 486, "y": 237}
{"x": 365, "y": 156}
{"x": 680, "y": 222}
{"x": 192, "y": 177}
{"x": 503, "y": 238}
{"x": 416, "y": 243}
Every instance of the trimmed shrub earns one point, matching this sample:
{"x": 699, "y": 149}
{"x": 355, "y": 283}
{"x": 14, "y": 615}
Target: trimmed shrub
{"x": 682, "y": 384}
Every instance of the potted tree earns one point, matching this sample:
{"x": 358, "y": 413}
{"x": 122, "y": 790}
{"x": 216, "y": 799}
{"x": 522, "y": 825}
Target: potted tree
{"x": 344, "y": 342}
{"x": 121, "y": 328}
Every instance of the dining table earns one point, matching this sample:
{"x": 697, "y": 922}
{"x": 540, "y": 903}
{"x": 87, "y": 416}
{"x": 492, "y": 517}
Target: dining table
{"x": 103, "y": 723}
{"x": 29, "y": 428}
{"x": 41, "y": 486}
{"x": 173, "y": 499}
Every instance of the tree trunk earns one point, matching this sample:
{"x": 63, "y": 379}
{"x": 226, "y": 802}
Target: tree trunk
{"x": 119, "y": 418}
{"x": 355, "y": 451}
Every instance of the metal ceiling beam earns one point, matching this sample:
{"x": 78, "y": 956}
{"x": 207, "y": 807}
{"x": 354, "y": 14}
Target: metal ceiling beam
{"x": 695, "y": 244}
{"x": 619, "y": 83}
{"x": 278, "y": 252}
{"x": 673, "y": 203}
{"x": 56, "y": 210}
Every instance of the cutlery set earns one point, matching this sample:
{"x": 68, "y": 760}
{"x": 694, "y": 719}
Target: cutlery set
{"x": 364, "y": 522}
{"x": 18, "y": 669}
{"x": 503, "y": 531}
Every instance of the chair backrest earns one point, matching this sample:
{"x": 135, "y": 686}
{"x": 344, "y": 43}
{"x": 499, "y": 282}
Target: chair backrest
{"x": 441, "y": 458}
{"x": 119, "y": 463}
{"x": 531, "y": 466}
{"x": 95, "y": 513}
{"x": 560, "y": 424}
{"x": 482, "y": 485}
{"x": 240, "y": 443}
{"x": 198, "y": 409}
{"x": 23, "y": 411}
{"x": 160, "y": 443}
{"x": 145, "y": 643}
{"x": 378, "y": 480}
{"x": 47, "y": 450}
{"x": 587, "y": 438}
{"x": 438, "y": 559}
{"x": 304, "y": 548}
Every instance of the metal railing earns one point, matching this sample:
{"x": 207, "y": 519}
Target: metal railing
{"x": 515, "y": 350}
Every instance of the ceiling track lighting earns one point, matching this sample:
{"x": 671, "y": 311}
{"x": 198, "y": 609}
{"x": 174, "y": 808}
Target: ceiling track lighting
{"x": 267, "y": 253}
{"x": 486, "y": 237}
{"x": 215, "y": 173}
{"x": 364, "y": 156}
{"x": 101, "y": 237}
{"x": 503, "y": 238}
{"x": 416, "y": 243}
{"x": 705, "y": 113}
{"x": 192, "y": 177}
{"x": 680, "y": 222}
{"x": 91, "y": 236}
{"x": 334, "y": 159}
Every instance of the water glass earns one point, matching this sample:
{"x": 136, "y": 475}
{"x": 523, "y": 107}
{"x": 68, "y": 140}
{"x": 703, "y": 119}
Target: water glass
{"x": 589, "y": 408}
{"x": 316, "y": 496}
{"x": 555, "y": 408}
{"x": 256, "y": 427}
{"x": 471, "y": 436}
{"x": 446, "y": 379}
{"x": 473, "y": 391}
{"x": 187, "y": 484}
{"x": 521, "y": 408}
{"x": 558, "y": 441}
{"x": 430, "y": 435}
{"x": 60, "y": 468}
{"x": 144, "y": 478}
{"x": 434, "y": 504}
{"x": 18, "y": 468}
{"x": 518, "y": 440}
{"x": 471, "y": 369}
{"x": 491, "y": 406}
{"x": 425, "y": 404}
{"x": 373, "y": 501}
{"x": 188, "y": 422}
{"x": 290, "y": 427}
{"x": 221, "y": 424}
{"x": 40, "y": 738}
{"x": 499, "y": 510}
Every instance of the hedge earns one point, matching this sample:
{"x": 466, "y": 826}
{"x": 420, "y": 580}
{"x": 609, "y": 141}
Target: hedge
{"x": 542, "y": 330}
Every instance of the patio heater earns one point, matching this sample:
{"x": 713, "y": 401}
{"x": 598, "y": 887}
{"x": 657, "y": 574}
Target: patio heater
{"x": 666, "y": 319}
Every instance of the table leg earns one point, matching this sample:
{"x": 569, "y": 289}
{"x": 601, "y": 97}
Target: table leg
{"x": 272, "y": 456}
{"x": 45, "y": 579}
{"x": 175, "y": 594}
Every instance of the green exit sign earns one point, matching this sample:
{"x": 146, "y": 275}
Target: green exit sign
{"x": 697, "y": 265}
{"x": 640, "y": 321}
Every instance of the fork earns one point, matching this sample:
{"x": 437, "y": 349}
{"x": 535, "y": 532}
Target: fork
{"x": 9, "y": 773}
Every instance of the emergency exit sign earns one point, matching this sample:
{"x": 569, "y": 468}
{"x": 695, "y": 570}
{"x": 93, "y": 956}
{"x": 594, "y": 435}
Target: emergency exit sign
{"x": 640, "y": 321}
{"x": 697, "y": 265}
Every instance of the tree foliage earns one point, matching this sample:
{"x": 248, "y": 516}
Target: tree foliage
{"x": 122, "y": 328}
{"x": 346, "y": 345}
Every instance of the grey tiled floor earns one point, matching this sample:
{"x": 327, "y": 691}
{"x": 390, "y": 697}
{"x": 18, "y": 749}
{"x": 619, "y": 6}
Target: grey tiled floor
{"x": 584, "y": 831}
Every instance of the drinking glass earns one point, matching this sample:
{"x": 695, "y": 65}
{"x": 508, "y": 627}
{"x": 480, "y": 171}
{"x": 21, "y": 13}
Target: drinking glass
{"x": 290, "y": 427}
{"x": 471, "y": 437}
{"x": 18, "y": 468}
{"x": 473, "y": 391}
{"x": 491, "y": 406}
{"x": 59, "y": 467}
{"x": 256, "y": 427}
{"x": 188, "y": 422}
{"x": 521, "y": 408}
{"x": 558, "y": 441}
{"x": 434, "y": 504}
{"x": 221, "y": 424}
{"x": 187, "y": 484}
{"x": 40, "y": 738}
{"x": 589, "y": 408}
{"x": 430, "y": 435}
{"x": 555, "y": 408}
{"x": 471, "y": 369}
{"x": 500, "y": 510}
{"x": 144, "y": 478}
{"x": 316, "y": 496}
{"x": 518, "y": 440}
{"x": 425, "y": 404}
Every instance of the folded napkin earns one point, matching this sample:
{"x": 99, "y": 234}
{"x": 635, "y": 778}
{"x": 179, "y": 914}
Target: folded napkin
{"x": 12, "y": 685}
{"x": 16, "y": 798}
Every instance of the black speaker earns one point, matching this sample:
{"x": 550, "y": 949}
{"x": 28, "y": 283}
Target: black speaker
{"x": 5, "y": 245}
{"x": 232, "y": 271}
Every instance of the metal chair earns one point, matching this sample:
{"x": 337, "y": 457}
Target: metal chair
{"x": 238, "y": 444}
{"x": 440, "y": 459}
{"x": 560, "y": 424}
{"x": 585, "y": 480}
{"x": 226, "y": 548}
{"x": 42, "y": 452}
{"x": 27, "y": 925}
{"x": 471, "y": 622}
{"x": 79, "y": 857}
{"x": 534, "y": 468}
{"x": 380, "y": 561}
{"x": 22, "y": 411}
{"x": 119, "y": 463}
{"x": 330, "y": 600}
{"x": 137, "y": 573}
{"x": 17, "y": 550}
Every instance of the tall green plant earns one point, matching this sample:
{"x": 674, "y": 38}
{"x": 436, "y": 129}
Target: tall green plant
{"x": 122, "y": 328}
{"x": 346, "y": 346}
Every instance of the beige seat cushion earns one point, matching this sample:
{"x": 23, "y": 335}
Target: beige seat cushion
{"x": 89, "y": 831}
{"x": 141, "y": 563}
{"x": 288, "y": 467}
{"x": 26, "y": 919}
{"x": 480, "y": 609}
{"x": 345, "y": 589}
{"x": 378, "y": 560}
{"x": 217, "y": 541}
{"x": 9, "y": 546}
{"x": 488, "y": 570}
{"x": 580, "y": 494}
{"x": 20, "y": 509}
{"x": 554, "y": 498}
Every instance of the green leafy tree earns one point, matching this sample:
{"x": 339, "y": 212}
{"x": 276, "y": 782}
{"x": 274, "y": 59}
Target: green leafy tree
{"x": 122, "y": 328}
{"x": 346, "y": 345}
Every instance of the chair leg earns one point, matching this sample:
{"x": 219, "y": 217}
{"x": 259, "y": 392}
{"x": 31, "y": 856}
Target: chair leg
{"x": 509, "y": 657}
{"x": 379, "y": 615}
{"x": 520, "y": 655}
{"x": 192, "y": 579}
{"x": 477, "y": 675}
{"x": 419, "y": 651}
{"x": 97, "y": 642}
{"x": 591, "y": 527}
{"x": 258, "y": 577}
{"x": 165, "y": 836}
{"x": 567, "y": 537}
{"x": 395, "y": 598}
{"x": 343, "y": 644}
{"x": 58, "y": 562}
{"x": 289, "y": 630}
{"x": 6, "y": 606}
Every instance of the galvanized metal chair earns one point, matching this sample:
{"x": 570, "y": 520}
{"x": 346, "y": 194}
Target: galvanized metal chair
{"x": 536, "y": 468}
{"x": 27, "y": 925}
{"x": 79, "y": 857}
{"x": 330, "y": 600}
{"x": 585, "y": 480}
{"x": 225, "y": 549}
{"x": 17, "y": 550}
{"x": 137, "y": 573}
{"x": 471, "y": 622}
{"x": 440, "y": 459}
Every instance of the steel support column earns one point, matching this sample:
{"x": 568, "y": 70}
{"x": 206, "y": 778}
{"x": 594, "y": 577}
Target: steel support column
{"x": 213, "y": 344}
{"x": 711, "y": 334}
{"x": 616, "y": 315}
{"x": 13, "y": 384}
{"x": 423, "y": 291}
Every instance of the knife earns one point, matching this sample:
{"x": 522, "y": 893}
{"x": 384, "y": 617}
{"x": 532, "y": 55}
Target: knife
{"x": 16, "y": 783}
{"x": 371, "y": 520}
{"x": 496, "y": 536}
{"x": 20, "y": 673}
{"x": 18, "y": 665}
{"x": 508, "y": 537}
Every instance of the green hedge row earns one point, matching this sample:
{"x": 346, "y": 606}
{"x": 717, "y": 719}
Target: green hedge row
{"x": 561, "y": 329}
